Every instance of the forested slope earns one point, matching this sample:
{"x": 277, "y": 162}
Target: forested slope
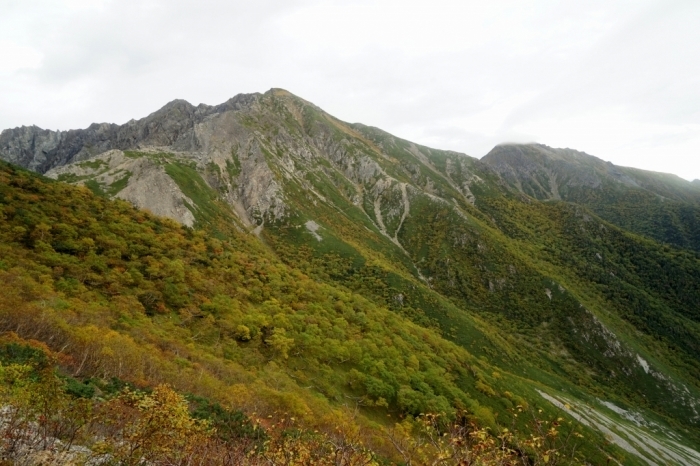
{"x": 350, "y": 277}
{"x": 119, "y": 296}
{"x": 657, "y": 205}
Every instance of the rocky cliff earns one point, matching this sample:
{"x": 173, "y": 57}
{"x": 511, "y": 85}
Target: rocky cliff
{"x": 173, "y": 125}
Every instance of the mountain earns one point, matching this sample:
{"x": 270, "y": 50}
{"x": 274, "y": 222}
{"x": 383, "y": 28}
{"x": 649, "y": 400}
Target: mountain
{"x": 173, "y": 125}
{"x": 657, "y": 205}
{"x": 532, "y": 261}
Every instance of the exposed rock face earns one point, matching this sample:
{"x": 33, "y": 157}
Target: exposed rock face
{"x": 142, "y": 181}
{"x": 202, "y": 135}
{"x": 157, "y": 192}
{"x": 173, "y": 126}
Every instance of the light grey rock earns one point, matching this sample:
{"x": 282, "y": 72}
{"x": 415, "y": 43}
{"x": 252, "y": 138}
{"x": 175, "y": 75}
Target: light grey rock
{"x": 172, "y": 126}
{"x": 148, "y": 186}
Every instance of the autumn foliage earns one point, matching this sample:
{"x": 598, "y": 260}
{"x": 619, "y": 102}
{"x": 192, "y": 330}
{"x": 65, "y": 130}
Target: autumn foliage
{"x": 45, "y": 422}
{"x": 109, "y": 315}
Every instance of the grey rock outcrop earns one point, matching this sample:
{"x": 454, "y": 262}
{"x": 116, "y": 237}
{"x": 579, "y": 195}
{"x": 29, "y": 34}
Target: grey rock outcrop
{"x": 173, "y": 126}
{"x": 141, "y": 181}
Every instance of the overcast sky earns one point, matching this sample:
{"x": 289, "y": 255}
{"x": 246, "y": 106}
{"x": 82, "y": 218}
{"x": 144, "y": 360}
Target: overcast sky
{"x": 617, "y": 79}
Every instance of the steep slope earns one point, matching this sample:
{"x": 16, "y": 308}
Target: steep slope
{"x": 124, "y": 297}
{"x": 561, "y": 273}
{"x": 548, "y": 293}
{"x": 127, "y": 295}
{"x": 660, "y": 206}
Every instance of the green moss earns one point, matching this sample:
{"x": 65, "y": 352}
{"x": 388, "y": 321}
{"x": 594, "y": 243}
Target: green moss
{"x": 213, "y": 168}
{"x": 133, "y": 154}
{"x": 233, "y": 167}
{"x": 161, "y": 158}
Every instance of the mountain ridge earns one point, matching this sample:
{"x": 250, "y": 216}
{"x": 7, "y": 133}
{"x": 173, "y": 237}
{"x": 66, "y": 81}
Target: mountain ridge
{"x": 438, "y": 237}
{"x": 661, "y": 206}
{"x": 41, "y": 149}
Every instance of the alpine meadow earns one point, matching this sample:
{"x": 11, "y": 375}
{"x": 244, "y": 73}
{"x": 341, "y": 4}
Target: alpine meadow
{"x": 260, "y": 283}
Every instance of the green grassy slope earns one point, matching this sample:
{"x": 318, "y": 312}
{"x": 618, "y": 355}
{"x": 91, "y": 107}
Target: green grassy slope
{"x": 381, "y": 238}
{"x": 657, "y": 205}
{"x": 458, "y": 251}
{"x": 121, "y": 294}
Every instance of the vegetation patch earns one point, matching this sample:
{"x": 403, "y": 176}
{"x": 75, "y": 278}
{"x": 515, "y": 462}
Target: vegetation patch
{"x": 71, "y": 177}
{"x": 206, "y": 209}
{"x": 94, "y": 164}
{"x": 118, "y": 185}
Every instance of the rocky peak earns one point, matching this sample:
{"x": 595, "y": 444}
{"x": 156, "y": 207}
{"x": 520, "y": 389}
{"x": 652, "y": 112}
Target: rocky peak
{"x": 173, "y": 125}
{"x": 177, "y": 103}
{"x": 512, "y": 154}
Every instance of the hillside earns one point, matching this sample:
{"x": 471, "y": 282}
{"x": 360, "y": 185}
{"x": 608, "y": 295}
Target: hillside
{"x": 327, "y": 259}
{"x": 657, "y": 205}
{"x": 127, "y": 299}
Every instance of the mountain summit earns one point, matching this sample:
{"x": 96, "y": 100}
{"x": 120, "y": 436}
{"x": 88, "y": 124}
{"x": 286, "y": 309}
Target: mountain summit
{"x": 571, "y": 280}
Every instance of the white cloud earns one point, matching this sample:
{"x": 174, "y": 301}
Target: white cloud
{"x": 16, "y": 57}
{"x": 85, "y": 4}
{"x": 618, "y": 79}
